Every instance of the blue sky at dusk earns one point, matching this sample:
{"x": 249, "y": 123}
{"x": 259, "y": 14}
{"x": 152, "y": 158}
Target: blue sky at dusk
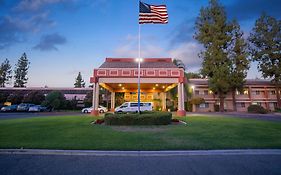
{"x": 63, "y": 37}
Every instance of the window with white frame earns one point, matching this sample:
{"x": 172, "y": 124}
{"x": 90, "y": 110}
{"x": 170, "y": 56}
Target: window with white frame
{"x": 204, "y": 105}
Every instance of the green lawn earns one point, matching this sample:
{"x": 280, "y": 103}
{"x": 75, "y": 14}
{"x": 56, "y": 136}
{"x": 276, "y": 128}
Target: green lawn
{"x": 73, "y": 132}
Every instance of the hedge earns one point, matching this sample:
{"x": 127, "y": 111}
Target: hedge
{"x": 145, "y": 118}
{"x": 257, "y": 109}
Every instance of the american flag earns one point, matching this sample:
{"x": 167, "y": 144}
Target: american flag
{"x": 156, "y": 14}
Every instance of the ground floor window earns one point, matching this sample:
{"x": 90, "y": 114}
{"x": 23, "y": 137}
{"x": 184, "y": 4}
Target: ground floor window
{"x": 273, "y": 105}
{"x": 241, "y": 105}
{"x": 203, "y": 105}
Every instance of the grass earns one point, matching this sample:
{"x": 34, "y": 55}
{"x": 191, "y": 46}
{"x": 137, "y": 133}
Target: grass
{"x": 76, "y": 132}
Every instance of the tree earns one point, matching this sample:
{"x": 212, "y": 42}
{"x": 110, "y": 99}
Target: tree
{"x": 240, "y": 62}
{"x": 190, "y": 75}
{"x": 15, "y": 98}
{"x": 21, "y": 71}
{"x": 5, "y": 72}
{"x": 79, "y": 82}
{"x": 3, "y": 97}
{"x": 179, "y": 63}
{"x": 35, "y": 97}
{"x": 55, "y": 100}
{"x": 88, "y": 100}
{"x": 212, "y": 30}
{"x": 265, "y": 41}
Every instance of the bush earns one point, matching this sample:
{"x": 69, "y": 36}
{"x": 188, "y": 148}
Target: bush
{"x": 257, "y": 109}
{"x": 146, "y": 118}
{"x": 278, "y": 110}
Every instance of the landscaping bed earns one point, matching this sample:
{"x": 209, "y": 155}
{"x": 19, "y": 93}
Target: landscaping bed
{"x": 145, "y": 118}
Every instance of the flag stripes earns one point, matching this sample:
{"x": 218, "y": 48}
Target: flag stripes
{"x": 156, "y": 14}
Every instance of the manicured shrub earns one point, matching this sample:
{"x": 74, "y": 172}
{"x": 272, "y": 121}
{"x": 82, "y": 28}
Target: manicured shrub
{"x": 145, "y": 118}
{"x": 257, "y": 109}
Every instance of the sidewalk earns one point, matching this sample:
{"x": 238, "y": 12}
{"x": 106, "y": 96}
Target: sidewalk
{"x": 142, "y": 153}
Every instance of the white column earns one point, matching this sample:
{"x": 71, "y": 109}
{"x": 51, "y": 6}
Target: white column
{"x": 97, "y": 96}
{"x": 179, "y": 97}
{"x": 112, "y": 100}
{"x": 182, "y": 96}
{"x": 94, "y": 96}
{"x": 163, "y": 98}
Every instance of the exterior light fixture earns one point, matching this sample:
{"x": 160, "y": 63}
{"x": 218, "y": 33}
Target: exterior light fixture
{"x": 139, "y": 60}
{"x": 119, "y": 85}
{"x": 153, "y": 88}
{"x": 156, "y": 85}
{"x": 123, "y": 88}
{"x": 163, "y": 87}
{"x": 192, "y": 87}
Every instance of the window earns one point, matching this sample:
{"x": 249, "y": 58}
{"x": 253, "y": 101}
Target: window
{"x": 273, "y": 105}
{"x": 204, "y": 105}
{"x": 272, "y": 92}
{"x": 258, "y": 92}
{"x": 196, "y": 92}
{"x": 205, "y": 92}
{"x": 242, "y": 105}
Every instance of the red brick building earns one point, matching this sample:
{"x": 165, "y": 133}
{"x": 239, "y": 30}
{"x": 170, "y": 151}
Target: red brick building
{"x": 158, "y": 76}
{"x": 261, "y": 92}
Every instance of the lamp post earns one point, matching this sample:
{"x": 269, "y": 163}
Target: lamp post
{"x": 139, "y": 60}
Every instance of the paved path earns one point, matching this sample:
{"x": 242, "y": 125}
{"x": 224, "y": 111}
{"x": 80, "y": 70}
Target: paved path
{"x": 155, "y": 164}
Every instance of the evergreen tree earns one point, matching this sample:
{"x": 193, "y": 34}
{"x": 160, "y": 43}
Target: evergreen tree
{"x": 240, "y": 63}
{"x": 265, "y": 41}
{"x": 21, "y": 71}
{"x": 5, "y": 73}
{"x": 213, "y": 31}
{"x": 79, "y": 82}
{"x": 54, "y": 100}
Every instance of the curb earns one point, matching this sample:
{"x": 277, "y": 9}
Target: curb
{"x": 141, "y": 153}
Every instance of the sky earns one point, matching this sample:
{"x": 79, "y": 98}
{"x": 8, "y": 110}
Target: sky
{"x": 64, "y": 37}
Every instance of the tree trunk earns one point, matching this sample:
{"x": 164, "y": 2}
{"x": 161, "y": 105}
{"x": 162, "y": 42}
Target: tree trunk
{"x": 234, "y": 101}
{"x": 221, "y": 96}
{"x": 278, "y": 96}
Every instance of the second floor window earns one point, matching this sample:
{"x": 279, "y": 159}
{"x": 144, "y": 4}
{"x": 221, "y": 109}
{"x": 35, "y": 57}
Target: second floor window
{"x": 272, "y": 92}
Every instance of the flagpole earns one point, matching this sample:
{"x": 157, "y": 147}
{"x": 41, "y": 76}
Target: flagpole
{"x": 139, "y": 60}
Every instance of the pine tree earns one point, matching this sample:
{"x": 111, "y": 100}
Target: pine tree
{"x": 21, "y": 71}
{"x": 265, "y": 41}
{"x": 79, "y": 82}
{"x": 240, "y": 62}
{"x": 213, "y": 31}
{"x": 5, "y": 73}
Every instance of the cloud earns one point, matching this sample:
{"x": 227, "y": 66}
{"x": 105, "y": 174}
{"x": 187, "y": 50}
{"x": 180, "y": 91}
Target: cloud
{"x": 50, "y": 42}
{"x": 188, "y": 53}
{"x": 35, "y": 5}
{"x": 129, "y": 47}
{"x": 183, "y": 32}
{"x": 248, "y": 9}
{"x": 13, "y": 29}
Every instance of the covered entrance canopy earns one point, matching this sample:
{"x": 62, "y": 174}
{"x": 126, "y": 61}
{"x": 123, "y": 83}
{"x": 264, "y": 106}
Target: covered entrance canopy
{"x": 158, "y": 75}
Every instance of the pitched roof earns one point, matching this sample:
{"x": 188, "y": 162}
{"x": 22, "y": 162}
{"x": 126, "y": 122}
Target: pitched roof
{"x": 131, "y": 63}
{"x": 248, "y": 82}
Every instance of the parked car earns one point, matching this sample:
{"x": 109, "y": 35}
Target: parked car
{"x": 133, "y": 107}
{"x": 39, "y": 108}
{"x": 24, "y": 106}
{"x": 101, "y": 109}
{"x": 11, "y": 108}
